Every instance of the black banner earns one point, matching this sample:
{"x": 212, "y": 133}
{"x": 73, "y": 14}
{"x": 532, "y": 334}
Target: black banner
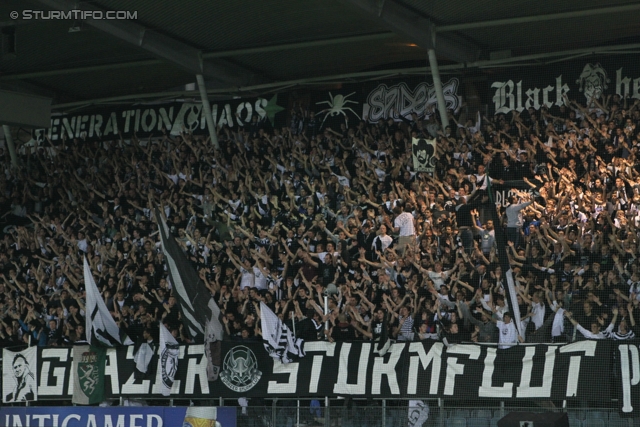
{"x": 628, "y": 360}
{"x": 417, "y": 370}
{"x": 546, "y": 86}
{"x": 373, "y": 101}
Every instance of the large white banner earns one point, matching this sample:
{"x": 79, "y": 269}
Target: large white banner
{"x": 19, "y": 370}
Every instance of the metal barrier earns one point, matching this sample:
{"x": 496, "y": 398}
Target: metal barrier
{"x": 388, "y": 414}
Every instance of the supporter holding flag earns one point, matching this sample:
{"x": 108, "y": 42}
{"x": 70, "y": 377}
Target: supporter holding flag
{"x": 278, "y": 339}
{"x": 100, "y": 326}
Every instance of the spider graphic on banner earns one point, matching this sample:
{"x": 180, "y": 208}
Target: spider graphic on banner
{"x": 337, "y": 105}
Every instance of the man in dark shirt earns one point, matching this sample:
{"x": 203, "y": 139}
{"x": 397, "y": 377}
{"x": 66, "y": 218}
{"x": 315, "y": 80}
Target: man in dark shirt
{"x": 342, "y": 331}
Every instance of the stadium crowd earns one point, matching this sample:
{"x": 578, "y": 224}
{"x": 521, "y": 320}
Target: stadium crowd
{"x": 289, "y": 215}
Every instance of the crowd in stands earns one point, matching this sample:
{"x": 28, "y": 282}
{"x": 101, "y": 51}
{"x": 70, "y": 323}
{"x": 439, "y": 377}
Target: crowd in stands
{"x": 289, "y": 215}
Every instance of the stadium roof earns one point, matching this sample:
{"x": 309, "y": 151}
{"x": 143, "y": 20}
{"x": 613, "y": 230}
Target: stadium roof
{"x": 249, "y": 46}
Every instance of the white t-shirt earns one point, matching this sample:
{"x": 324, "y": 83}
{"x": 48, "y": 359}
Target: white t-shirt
{"x": 537, "y": 314}
{"x": 260, "y": 280}
{"x": 404, "y": 221}
{"x": 248, "y": 279}
{"x": 508, "y": 333}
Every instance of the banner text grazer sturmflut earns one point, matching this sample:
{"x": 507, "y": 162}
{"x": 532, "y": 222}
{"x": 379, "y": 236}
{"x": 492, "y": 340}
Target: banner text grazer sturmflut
{"x": 417, "y": 370}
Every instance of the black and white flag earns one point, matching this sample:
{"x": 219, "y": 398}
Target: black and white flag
{"x": 277, "y": 338}
{"x": 100, "y": 326}
{"x": 418, "y": 413}
{"x": 168, "y": 360}
{"x": 190, "y": 290}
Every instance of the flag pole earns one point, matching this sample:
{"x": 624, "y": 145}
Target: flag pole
{"x": 326, "y": 311}
{"x": 293, "y": 322}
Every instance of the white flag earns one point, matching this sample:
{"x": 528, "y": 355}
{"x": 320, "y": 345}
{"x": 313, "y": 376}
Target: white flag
{"x": 418, "y": 413}
{"x": 100, "y": 326}
{"x": 167, "y": 360}
{"x": 19, "y": 370}
{"x": 277, "y": 338}
{"x": 142, "y": 356}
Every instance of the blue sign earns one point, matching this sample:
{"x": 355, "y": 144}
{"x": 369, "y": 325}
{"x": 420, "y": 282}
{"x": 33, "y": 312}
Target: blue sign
{"x": 116, "y": 416}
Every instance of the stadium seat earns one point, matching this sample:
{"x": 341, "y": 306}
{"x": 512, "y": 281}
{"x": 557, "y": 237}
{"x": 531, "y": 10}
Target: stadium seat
{"x": 456, "y": 422}
{"x": 577, "y": 414}
{"x": 618, "y": 422}
{"x": 478, "y": 422}
{"x": 459, "y": 413}
{"x": 481, "y": 413}
{"x": 494, "y": 421}
{"x": 600, "y": 415}
{"x": 594, "y": 422}
{"x": 574, "y": 422}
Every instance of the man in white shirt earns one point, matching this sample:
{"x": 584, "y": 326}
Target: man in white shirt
{"x": 403, "y": 225}
{"x": 508, "y": 334}
{"x": 515, "y": 221}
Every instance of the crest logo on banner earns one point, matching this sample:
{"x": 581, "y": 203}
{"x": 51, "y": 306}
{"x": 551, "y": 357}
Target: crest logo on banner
{"x": 240, "y": 370}
{"x": 169, "y": 365}
{"x": 424, "y": 154}
{"x": 593, "y": 81}
{"x": 89, "y": 363}
{"x": 19, "y": 382}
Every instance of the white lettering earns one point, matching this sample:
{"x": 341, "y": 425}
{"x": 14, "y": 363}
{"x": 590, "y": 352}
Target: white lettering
{"x": 17, "y": 421}
{"x": 149, "y": 113}
{"x": 626, "y": 381}
{"x": 130, "y": 387}
{"x": 197, "y": 369}
{"x": 284, "y": 368}
{"x": 108, "y": 422}
{"x": 342, "y": 386}
{"x": 381, "y": 368}
{"x": 503, "y": 99}
{"x": 586, "y": 347}
{"x": 111, "y": 370}
{"x": 81, "y": 125}
{"x": 622, "y": 84}
{"x": 56, "y": 389}
{"x": 433, "y": 358}
{"x": 316, "y": 368}
{"x": 68, "y": 418}
{"x": 165, "y": 119}
{"x": 519, "y": 107}
{"x": 533, "y": 99}
{"x": 136, "y": 125}
{"x": 259, "y": 104}
{"x": 545, "y": 97}
{"x": 91, "y": 421}
{"x": 487, "y": 389}
{"x": 525, "y": 389}
{"x": 399, "y": 100}
{"x": 453, "y": 368}
{"x": 112, "y": 125}
{"x": 133, "y": 418}
{"x": 97, "y": 127}
{"x": 151, "y": 418}
{"x": 561, "y": 91}
{"x": 41, "y": 418}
